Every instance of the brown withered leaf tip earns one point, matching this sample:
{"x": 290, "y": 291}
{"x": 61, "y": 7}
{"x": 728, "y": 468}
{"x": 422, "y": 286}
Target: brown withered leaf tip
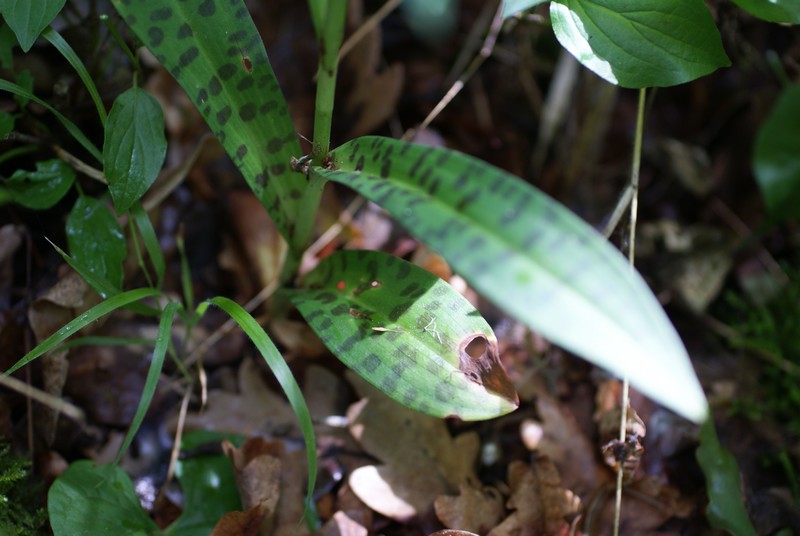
{"x": 479, "y": 360}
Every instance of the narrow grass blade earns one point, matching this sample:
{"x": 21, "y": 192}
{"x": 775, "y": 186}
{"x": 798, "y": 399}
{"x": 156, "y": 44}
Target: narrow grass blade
{"x": 153, "y": 374}
{"x": 289, "y": 385}
{"x": 150, "y": 240}
{"x": 74, "y": 326}
{"x": 531, "y": 256}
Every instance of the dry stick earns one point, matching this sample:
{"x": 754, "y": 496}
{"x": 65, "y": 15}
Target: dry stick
{"x": 634, "y": 189}
{"x": 32, "y": 393}
{"x": 458, "y": 85}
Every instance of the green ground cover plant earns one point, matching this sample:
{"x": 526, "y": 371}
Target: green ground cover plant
{"x": 406, "y": 332}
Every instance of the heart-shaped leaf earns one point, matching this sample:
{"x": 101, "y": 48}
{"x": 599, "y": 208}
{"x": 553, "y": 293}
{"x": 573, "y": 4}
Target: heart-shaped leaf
{"x": 643, "y": 43}
{"x": 531, "y": 256}
{"x": 408, "y": 333}
{"x": 29, "y": 17}
{"x": 134, "y": 146}
{"x": 214, "y": 51}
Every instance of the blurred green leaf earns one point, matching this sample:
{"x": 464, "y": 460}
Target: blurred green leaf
{"x": 512, "y": 7}
{"x": 530, "y": 256}
{"x": 7, "y": 43}
{"x": 408, "y": 333}
{"x": 640, "y": 44}
{"x": 726, "y": 509}
{"x": 134, "y": 147}
{"x": 776, "y": 162}
{"x": 29, "y": 17}
{"x": 43, "y": 188}
{"x": 96, "y": 240}
{"x": 7, "y": 121}
{"x": 772, "y": 10}
{"x": 91, "y": 499}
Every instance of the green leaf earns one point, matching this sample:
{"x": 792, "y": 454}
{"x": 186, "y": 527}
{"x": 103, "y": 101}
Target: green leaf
{"x": 726, "y": 509}
{"x": 531, "y": 256}
{"x": 134, "y": 147}
{"x": 408, "y": 333}
{"x": 287, "y": 382}
{"x": 512, "y": 7}
{"x": 153, "y": 374}
{"x": 29, "y": 17}
{"x": 95, "y": 239}
{"x": 214, "y": 51}
{"x": 76, "y": 324}
{"x": 7, "y": 43}
{"x": 637, "y": 43}
{"x": 772, "y": 10}
{"x": 150, "y": 240}
{"x": 91, "y": 499}
{"x": 18, "y": 90}
{"x": 776, "y": 162}
{"x": 6, "y": 123}
{"x": 43, "y": 188}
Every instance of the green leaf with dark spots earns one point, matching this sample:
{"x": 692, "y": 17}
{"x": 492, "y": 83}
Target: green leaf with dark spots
{"x": 134, "y": 147}
{"x": 213, "y": 50}
{"x": 43, "y": 188}
{"x": 408, "y": 333}
{"x": 92, "y": 499}
{"x": 29, "y": 17}
{"x": 776, "y": 162}
{"x": 640, "y": 43}
{"x": 531, "y": 256}
{"x": 95, "y": 239}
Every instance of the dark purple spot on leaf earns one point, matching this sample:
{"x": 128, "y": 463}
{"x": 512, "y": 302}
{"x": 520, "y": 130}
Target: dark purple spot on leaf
{"x": 235, "y": 37}
{"x": 444, "y": 392}
{"x": 349, "y": 342}
{"x": 371, "y": 362}
{"x": 389, "y": 384}
{"x": 277, "y": 169}
{"x": 241, "y": 151}
{"x": 202, "y": 96}
{"x": 360, "y": 163}
{"x": 274, "y": 145}
{"x": 294, "y": 193}
{"x": 241, "y": 13}
{"x": 409, "y": 396}
{"x": 214, "y": 86}
{"x": 156, "y": 35}
{"x": 161, "y": 14}
{"x": 207, "y": 8}
{"x": 260, "y": 180}
{"x": 385, "y": 167}
{"x": 224, "y": 115}
{"x": 324, "y": 324}
{"x": 184, "y": 31}
{"x": 188, "y": 57}
{"x": 248, "y": 112}
{"x": 226, "y": 71}
{"x": 267, "y": 107}
{"x": 341, "y": 309}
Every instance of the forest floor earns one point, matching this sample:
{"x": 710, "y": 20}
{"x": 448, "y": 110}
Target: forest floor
{"x": 702, "y": 244}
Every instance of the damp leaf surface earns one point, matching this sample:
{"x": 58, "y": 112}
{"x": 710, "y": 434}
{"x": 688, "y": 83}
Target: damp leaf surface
{"x": 213, "y": 50}
{"x": 531, "y": 256}
{"x": 43, "y": 188}
{"x": 28, "y": 18}
{"x": 640, "y": 44}
{"x": 96, "y": 240}
{"x": 408, "y": 333}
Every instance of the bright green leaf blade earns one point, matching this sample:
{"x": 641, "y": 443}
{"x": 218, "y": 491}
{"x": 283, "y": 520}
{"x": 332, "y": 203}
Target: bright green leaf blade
{"x": 772, "y": 10}
{"x": 78, "y": 323}
{"x": 43, "y": 188}
{"x": 287, "y": 382}
{"x": 90, "y": 499}
{"x": 96, "y": 240}
{"x": 5, "y": 85}
{"x": 69, "y": 54}
{"x": 134, "y": 146}
{"x": 640, "y": 43}
{"x": 29, "y": 17}
{"x": 726, "y": 509}
{"x": 776, "y": 162}
{"x": 150, "y": 240}
{"x": 408, "y": 333}
{"x": 529, "y": 255}
{"x": 153, "y": 374}
{"x": 512, "y": 7}
{"x": 214, "y": 51}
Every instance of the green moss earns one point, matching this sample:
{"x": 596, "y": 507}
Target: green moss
{"x": 21, "y": 512}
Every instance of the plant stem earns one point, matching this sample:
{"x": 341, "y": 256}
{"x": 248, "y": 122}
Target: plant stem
{"x": 329, "y": 42}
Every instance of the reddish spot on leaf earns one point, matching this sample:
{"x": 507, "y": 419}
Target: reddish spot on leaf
{"x": 247, "y": 64}
{"x": 341, "y": 285}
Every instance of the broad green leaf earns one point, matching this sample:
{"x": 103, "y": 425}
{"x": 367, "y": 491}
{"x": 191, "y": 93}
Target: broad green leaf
{"x": 43, "y": 188}
{"x": 531, "y": 256}
{"x": 214, "y": 51}
{"x": 18, "y": 90}
{"x": 772, "y": 10}
{"x": 153, "y": 374}
{"x": 287, "y": 382}
{"x": 776, "y": 162}
{"x": 640, "y": 43}
{"x": 91, "y": 499}
{"x": 726, "y": 509}
{"x": 408, "y": 333}
{"x": 29, "y": 17}
{"x": 512, "y": 7}
{"x": 134, "y": 147}
{"x": 96, "y": 240}
{"x": 76, "y": 324}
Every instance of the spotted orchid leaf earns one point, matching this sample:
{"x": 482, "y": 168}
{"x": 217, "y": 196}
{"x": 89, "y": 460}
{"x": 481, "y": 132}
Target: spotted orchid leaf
{"x": 213, "y": 50}
{"x": 408, "y": 333}
{"x": 531, "y": 256}
{"x": 640, "y": 44}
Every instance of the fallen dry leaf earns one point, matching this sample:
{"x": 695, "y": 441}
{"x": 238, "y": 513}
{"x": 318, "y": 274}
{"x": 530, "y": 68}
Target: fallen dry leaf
{"x": 474, "y": 510}
{"x": 257, "y": 468}
{"x": 247, "y": 523}
{"x": 420, "y": 459}
{"x": 342, "y": 525}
